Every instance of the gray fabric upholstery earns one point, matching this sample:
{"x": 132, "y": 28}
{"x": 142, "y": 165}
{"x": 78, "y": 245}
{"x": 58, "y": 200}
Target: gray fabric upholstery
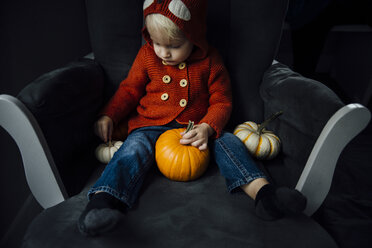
{"x": 255, "y": 30}
{"x": 65, "y": 103}
{"x": 115, "y": 34}
{"x": 307, "y": 106}
{"x": 175, "y": 214}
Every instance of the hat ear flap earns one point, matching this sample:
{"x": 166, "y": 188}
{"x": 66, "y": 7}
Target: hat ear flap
{"x": 180, "y": 10}
{"x": 147, "y": 4}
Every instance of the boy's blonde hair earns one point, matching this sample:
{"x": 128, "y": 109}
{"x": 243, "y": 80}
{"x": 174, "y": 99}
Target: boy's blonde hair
{"x": 160, "y": 23}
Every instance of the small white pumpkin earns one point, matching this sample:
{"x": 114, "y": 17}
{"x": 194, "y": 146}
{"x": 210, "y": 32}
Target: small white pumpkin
{"x": 261, "y": 143}
{"x": 105, "y": 151}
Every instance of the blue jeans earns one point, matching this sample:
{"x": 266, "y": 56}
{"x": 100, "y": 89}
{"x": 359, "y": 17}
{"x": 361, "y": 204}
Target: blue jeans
{"x": 124, "y": 175}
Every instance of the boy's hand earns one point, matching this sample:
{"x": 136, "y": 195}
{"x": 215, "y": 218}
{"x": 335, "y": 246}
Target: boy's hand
{"x": 104, "y": 127}
{"x": 198, "y": 136}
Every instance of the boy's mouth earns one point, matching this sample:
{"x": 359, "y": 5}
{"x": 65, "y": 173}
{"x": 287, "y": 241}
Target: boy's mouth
{"x": 169, "y": 62}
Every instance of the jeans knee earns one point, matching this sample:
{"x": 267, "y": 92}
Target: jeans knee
{"x": 227, "y": 140}
{"x": 139, "y": 143}
{"x": 227, "y": 136}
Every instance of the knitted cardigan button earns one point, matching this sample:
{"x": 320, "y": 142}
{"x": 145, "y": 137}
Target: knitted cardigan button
{"x": 182, "y": 66}
{"x": 183, "y": 103}
{"x": 167, "y": 79}
{"x": 164, "y": 97}
{"x": 183, "y": 83}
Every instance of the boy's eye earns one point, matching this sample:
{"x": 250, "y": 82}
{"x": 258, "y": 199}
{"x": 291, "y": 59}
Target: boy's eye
{"x": 176, "y": 46}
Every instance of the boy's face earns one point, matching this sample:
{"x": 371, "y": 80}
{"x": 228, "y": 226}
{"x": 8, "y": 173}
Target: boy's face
{"x": 171, "y": 52}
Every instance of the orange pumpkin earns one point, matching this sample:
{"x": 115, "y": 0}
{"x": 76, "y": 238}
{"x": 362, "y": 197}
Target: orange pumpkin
{"x": 179, "y": 162}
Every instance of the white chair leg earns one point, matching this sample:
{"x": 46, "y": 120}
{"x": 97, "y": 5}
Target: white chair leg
{"x": 41, "y": 173}
{"x": 342, "y": 127}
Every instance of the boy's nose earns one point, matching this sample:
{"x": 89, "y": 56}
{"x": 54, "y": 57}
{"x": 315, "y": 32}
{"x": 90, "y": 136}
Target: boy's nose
{"x": 165, "y": 53}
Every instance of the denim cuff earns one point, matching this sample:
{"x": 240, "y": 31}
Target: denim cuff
{"x": 234, "y": 187}
{"x": 114, "y": 193}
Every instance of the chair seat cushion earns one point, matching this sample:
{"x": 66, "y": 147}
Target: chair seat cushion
{"x": 200, "y": 213}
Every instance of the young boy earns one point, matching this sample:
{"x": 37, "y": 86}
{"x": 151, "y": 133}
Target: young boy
{"x": 176, "y": 77}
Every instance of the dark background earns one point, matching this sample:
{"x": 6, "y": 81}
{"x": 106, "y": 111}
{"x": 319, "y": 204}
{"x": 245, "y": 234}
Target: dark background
{"x": 35, "y": 37}
{"x": 39, "y": 36}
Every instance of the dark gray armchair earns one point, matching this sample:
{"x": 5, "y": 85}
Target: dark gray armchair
{"x": 51, "y": 121}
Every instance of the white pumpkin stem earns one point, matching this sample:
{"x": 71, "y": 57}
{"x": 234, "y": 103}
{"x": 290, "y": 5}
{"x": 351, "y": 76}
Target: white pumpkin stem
{"x": 110, "y": 143}
{"x": 267, "y": 121}
{"x": 190, "y": 126}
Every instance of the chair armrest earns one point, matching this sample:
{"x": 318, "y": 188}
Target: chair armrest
{"x": 312, "y": 121}
{"x": 41, "y": 173}
{"x": 65, "y": 103}
{"x": 342, "y": 127}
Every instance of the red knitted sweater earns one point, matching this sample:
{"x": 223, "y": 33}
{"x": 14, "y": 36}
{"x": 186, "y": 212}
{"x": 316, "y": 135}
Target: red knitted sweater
{"x": 197, "y": 90}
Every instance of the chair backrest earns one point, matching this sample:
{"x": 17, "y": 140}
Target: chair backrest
{"x": 246, "y": 32}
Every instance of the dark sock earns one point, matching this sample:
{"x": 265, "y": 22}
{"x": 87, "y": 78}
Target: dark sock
{"x": 275, "y": 202}
{"x": 101, "y": 214}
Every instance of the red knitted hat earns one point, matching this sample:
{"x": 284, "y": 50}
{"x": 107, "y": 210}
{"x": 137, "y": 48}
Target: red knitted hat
{"x": 188, "y": 15}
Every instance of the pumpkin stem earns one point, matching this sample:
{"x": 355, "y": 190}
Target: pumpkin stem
{"x": 110, "y": 143}
{"x": 190, "y": 126}
{"x": 267, "y": 121}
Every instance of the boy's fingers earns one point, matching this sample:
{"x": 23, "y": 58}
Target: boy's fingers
{"x": 189, "y": 134}
{"x": 109, "y": 133}
{"x": 197, "y": 143}
{"x": 203, "y": 147}
{"x": 103, "y": 133}
{"x": 106, "y": 132}
{"x": 109, "y": 136}
{"x": 103, "y": 128}
{"x": 187, "y": 141}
